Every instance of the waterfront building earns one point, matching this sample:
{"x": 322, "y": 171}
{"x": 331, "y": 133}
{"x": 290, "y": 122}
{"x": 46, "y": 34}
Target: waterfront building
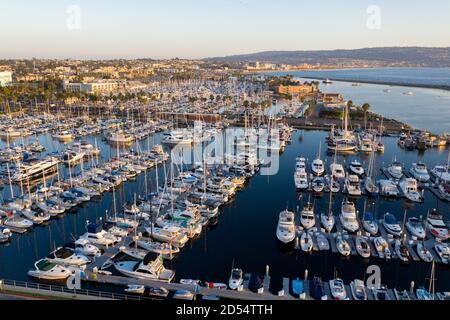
{"x": 98, "y": 87}
{"x": 301, "y": 89}
{"x": 331, "y": 100}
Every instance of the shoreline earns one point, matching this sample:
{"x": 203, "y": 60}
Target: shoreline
{"x": 387, "y": 83}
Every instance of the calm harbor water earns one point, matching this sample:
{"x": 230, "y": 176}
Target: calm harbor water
{"x": 245, "y": 232}
{"x": 427, "y": 109}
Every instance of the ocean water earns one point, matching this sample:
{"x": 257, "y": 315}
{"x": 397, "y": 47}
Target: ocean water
{"x": 416, "y": 76}
{"x": 426, "y": 109}
{"x": 245, "y": 232}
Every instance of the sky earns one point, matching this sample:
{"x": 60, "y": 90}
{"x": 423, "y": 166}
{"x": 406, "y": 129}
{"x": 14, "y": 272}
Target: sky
{"x": 103, "y": 29}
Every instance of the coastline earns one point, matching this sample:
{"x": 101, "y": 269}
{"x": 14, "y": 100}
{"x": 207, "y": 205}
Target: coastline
{"x": 387, "y": 83}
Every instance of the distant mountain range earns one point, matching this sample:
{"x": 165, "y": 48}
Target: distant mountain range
{"x": 383, "y": 56}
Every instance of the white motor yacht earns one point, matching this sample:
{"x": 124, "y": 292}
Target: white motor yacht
{"x": 436, "y": 225}
{"x": 410, "y": 189}
{"x": 337, "y": 171}
{"x": 348, "y": 217}
{"x": 363, "y": 247}
{"x": 443, "y": 250}
{"x": 415, "y": 227}
{"x": 317, "y": 167}
{"x": 67, "y": 257}
{"x": 286, "y": 226}
{"x": 353, "y": 185}
{"x": 420, "y": 172}
{"x": 441, "y": 172}
{"x": 171, "y": 234}
{"x": 47, "y": 270}
{"x": 301, "y": 180}
{"x": 395, "y": 169}
{"x": 356, "y": 168}
{"x": 151, "y": 268}
{"x": 388, "y": 188}
{"x": 307, "y": 218}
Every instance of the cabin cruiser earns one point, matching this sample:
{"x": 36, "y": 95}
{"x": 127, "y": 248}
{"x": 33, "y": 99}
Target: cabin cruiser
{"x": 388, "y": 188}
{"x": 301, "y": 180}
{"x": 236, "y": 279}
{"x": 151, "y": 268}
{"x": 317, "y": 167}
{"x": 67, "y": 257}
{"x": 410, "y": 189}
{"x": 337, "y": 171}
{"x": 348, "y": 216}
{"x": 306, "y": 242}
{"x": 35, "y": 217}
{"x": 380, "y": 147}
{"x": 178, "y": 137}
{"x": 423, "y": 252}
{"x": 71, "y": 157}
{"x": 395, "y": 169}
{"x": 441, "y": 172}
{"x": 32, "y": 170}
{"x": 401, "y": 251}
{"x": 47, "y": 270}
{"x": 307, "y": 218}
{"x": 49, "y": 207}
{"x": 415, "y": 228}
{"x": 382, "y": 248}
{"x": 391, "y": 225}
{"x": 16, "y": 221}
{"x": 436, "y": 225}
{"x": 337, "y": 289}
{"x": 96, "y": 235}
{"x": 318, "y": 184}
{"x": 367, "y": 145}
{"x": 420, "y": 172}
{"x": 362, "y": 247}
{"x": 356, "y": 168}
{"x": 286, "y": 227}
{"x": 370, "y": 224}
{"x": 443, "y": 250}
{"x": 120, "y": 137}
{"x": 352, "y": 185}
{"x": 164, "y": 248}
{"x": 83, "y": 247}
{"x": 358, "y": 290}
{"x": 343, "y": 246}
{"x": 63, "y": 135}
{"x": 334, "y": 185}
{"x": 171, "y": 234}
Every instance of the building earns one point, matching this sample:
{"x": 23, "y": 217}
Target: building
{"x": 302, "y": 89}
{"x": 5, "y": 78}
{"x": 331, "y": 100}
{"x": 97, "y": 87}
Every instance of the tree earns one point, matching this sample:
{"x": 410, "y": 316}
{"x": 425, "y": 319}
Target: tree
{"x": 366, "y": 108}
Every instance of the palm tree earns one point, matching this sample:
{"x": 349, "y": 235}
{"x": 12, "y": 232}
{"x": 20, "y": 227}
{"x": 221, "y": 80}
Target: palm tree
{"x": 366, "y": 108}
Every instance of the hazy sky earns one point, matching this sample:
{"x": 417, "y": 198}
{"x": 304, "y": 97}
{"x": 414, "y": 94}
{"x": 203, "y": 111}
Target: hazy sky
{"x": 205, "y": 28}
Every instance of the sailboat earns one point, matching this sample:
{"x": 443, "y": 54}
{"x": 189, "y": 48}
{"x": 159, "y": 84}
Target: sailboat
{"x": 369, "y": 183}
{"x": 328, "y": 219}
{"x": 317, "y": 166}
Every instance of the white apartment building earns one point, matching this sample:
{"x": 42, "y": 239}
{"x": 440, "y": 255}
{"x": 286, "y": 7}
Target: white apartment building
{"x": 98, "y": 87}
